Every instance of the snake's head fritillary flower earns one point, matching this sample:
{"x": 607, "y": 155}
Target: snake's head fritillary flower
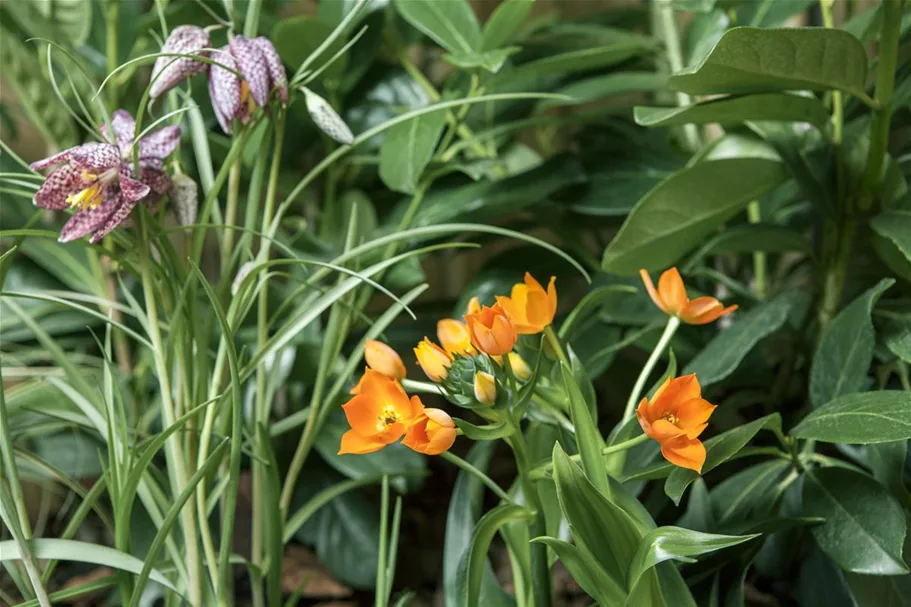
{"x": 485, "y": 388}
{"x": 671, "y": 298}
{"x": 169, "y": 70}
{"x": 99, "y": 181}
{"x": 327, "y": 119}
{"x": 380, "y": 357}
{"x": 379, "y": 414}
{"x": 433, "y": 434}
{"x": 492, "y": 331}
{"x": 530, "y": 307}
{"x": 454, "y": 337}
{"x": 235, "y": 98}
{"x": 434, "y": 360}
{"x": 676, "y": 415}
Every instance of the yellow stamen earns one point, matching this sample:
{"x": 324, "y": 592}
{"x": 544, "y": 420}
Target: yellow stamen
{"x": 671, "y": 418}
{"x": 246, "y": 97}
{"x": 388, "y": 417}
{"x": 89, "y": 198}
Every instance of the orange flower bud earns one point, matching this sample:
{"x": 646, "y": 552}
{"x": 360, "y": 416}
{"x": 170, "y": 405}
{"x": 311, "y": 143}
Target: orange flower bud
{"x": 378, "y": 414}
{"x": 454, "y": 337}
{"x": 380, "y": 357}
{"x": 675, "y": 417}
{"x": 434, "y": 360}
{"x": 474, "y": 305}
{"x": 492, "y": 332}
{"x": 529, "y": 306}
{"x": 433, "y": 434}
{"x": 485, "y": 388}
{"x": 520, "y": 368}
{"x": 671, "y": 298}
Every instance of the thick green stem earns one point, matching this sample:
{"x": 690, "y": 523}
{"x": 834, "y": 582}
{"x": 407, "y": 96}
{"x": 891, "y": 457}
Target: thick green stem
{"x": 759, "y": 257}
{"x": 112, "y": 53}
{"x": 173, "y": 446}
{"x": 554, "y": 342}
{"x": 544, "y": 470}
{"x": 671, "y": 36}
{"x": 227, "y": 239}
{"x": 839, "y": 240}
{"x": 672, "y": 323}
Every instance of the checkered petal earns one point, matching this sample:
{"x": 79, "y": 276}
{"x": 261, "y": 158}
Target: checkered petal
{"x": 132, "y": 189}
{"x": 161, "y": 143}
{"x": 252, "y": 64}
{"x": 274, "y": 66}
{"x": 114, "y": 219}
{"x": 124, "y": 131}
{"x": 97, "y": 156}
{"x": 224, "y": 89}
{"x": 58, "y": 185}
{"x": 169, "y": 71}
{"x": 57, "y": 158}
{"x": 85, "y": 222}
{"x": 157, "y": 180}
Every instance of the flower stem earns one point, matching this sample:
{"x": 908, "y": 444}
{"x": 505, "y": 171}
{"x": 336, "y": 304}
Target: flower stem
{"x": 759, "y": 257}
{"x": 112, "y": 53}
{"x": 672, "y": 323}
{"x": 555, "y": 345}
{"x": 227, "y": 241}
{"x": 467, "y": 467}
{"x": 671, "y": 36}
{"x": 543, "y": 471}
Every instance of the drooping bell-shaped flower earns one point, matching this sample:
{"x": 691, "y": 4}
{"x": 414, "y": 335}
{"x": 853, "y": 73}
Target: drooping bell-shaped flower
{"x": 99, "y": 179}
{"x": 235, "y": 98}
{"x": 169, "y": 70}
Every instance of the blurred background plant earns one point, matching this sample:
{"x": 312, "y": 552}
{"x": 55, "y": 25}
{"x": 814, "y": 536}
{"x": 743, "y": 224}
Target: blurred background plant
{"x": 184, "y": 377}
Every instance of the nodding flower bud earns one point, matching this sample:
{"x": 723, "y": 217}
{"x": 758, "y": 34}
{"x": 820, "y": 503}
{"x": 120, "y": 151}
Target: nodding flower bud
{"x": 380, "y": 357}
{"x": 485, "y": 388}
{"x": 519, "y": 367}
{"x": 434, "y": 360}
{"x": 327, "y": 119}
{"x": 170, "y": 70}
{"x": 185, "y": 196}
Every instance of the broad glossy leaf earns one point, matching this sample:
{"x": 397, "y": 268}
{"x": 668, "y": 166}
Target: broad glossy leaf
{"x": 491, "y": 61}
{"x": 682, "y": 210}
{"x": 898, "y": 337}
{"x": 597, "y": 57}
{"x": 887, "y": 462}
{"x": 865, "y": 526}
{"x": 749, "y": 238}
{"x": 666, "y": 543}
{"x": 770, "y": 13}
{"x": 599, "y": 87}
{"x": 879, "y": 590}
{"x": 587, "y": 572}
{"x": 734, "y": 110}
{"x": 464, "y": 511}
{"x": 861, "y": 418}
{"x": 748, "y": 494}
{"x": 592, "y": 518}
{"x": 750, "y": 60}
{"x": 845, "y": 351}
{"x": 296, "y": 38}
{"x": 896, "y": 226}
{"x": 503, "y": 23}
{"x": 718, "y": 450}
{"x": 451, "y": 24}
{"x": 726, "y": 351}
{"x": 474, "y": 561}
{"x": 408, "y": 148}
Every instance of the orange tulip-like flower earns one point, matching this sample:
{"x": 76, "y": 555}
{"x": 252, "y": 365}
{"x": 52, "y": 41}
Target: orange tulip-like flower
{"x": 379, "y": 414}
{"x": 454, "y": 337}
{"x": 671, "y": 297}
{"x": 433, "y": 434}
{"x": 384, "y": 359}
{"x": 434, "y": 360}
{"x": 492, "y": 331}
{"x": 529, "y": 306}
{"x": 675, "y": 417}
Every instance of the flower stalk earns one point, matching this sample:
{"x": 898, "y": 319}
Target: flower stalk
{"x": 669, "y": 329}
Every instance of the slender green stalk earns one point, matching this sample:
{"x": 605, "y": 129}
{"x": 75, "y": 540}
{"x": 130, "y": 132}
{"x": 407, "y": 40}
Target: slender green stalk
{"x": 251, "y": 21}
{"x": 671, "y": 35}
{"x": 672, "y": 323}
{"x": 543, "y": 471}
{"x": 759, "y": 257}
{"x": 554, "y": 342}
{"x": 380, "y": 596}
{"x": 838, "y": 112}
{"x": 455, "y": 460}
{"x": 10, "y": 471}
{"x": 173, "y": 447}
{"x": 227, "y": 241}
{"x": 112, "y": 54}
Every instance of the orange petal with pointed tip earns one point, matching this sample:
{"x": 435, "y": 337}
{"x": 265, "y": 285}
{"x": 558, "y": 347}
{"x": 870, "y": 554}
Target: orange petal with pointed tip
{"x": 672, "y": 291}
{"x": 685, "y": 453}
{"x": 354, "y": 443}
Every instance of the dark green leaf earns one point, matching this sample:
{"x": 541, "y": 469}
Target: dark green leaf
{"x": 504, "y": 22}
{"x": 896, "y": 226}
{"x": 718, "y": 450}
{"x": 599, "y": 87}
{"x": 861, "y": 418}
{"x": 678, "y": 213}
{"x": 491, "y": 61}
{"x": 898, "y": 338}
{"x": 845, "y": 351}
{"x": 408, "y": 148}
{"x": 666, "y": 543}
{"x": 487, "y": 432}
{"x": 64, "y": 21}
{"x": 586, "y": 572}
{"x": 750, "y": 493}
{"x": 588, "y": 438}
{"x": 887, "y": 462}
{"x": 878, "y": 590}
{"x": 475, "y": 560}
{"x": 726, "y": 351}
{"x": 750, "y": 60}
{"x": 451, "y": 24}
{"x": 749, "y": 238}
{"x": 598, "y": 57}
{"x": 734, "y": 110}
{"x": 865, "y": 526}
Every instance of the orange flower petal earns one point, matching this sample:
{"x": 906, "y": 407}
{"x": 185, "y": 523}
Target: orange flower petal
{"x": 704, "y": 310}
{"x": 685, "y": 453}
{"x": 650, "y": 288}
{"x": 380, "y": 357}
{"x": 693, "y": 416}
{"x": 664, "y": 430}
{"x": 363, "y": 412}
{"x": 354, "y": 443}
{"x": 672, "y": 291}
{"x": 454, "y": 336}
{"x": 676, "y": 390}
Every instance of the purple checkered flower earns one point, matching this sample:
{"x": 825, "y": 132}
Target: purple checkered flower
{"x": 169, "y": 71}
{"x": 262, "y": 70}
{"x": 99, "y": 181}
